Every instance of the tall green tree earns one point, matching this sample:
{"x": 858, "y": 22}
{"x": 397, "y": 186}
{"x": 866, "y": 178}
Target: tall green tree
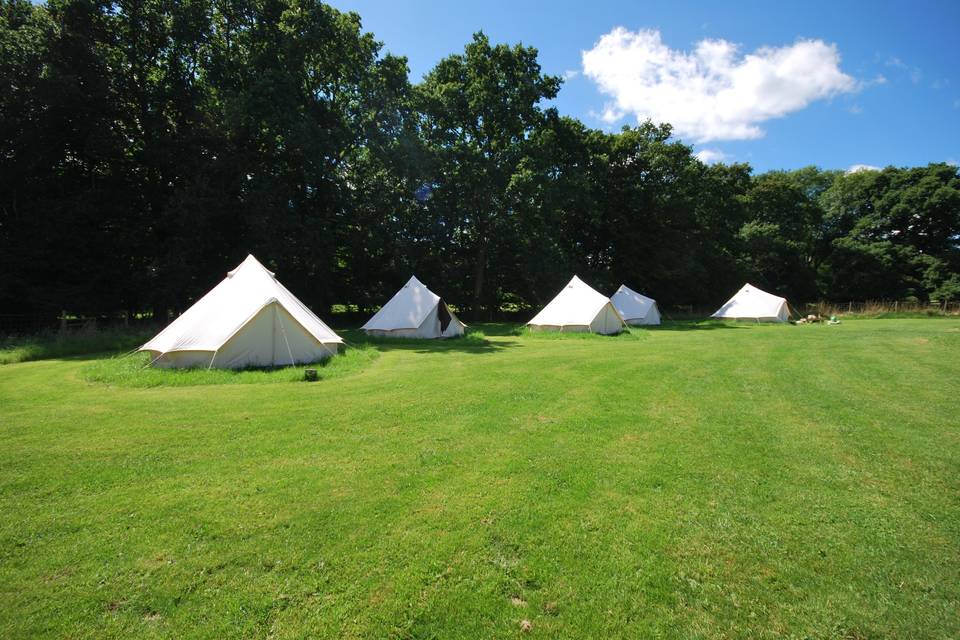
{"x": 478, "y": 111}
{"x": 894, "y": 234}
{"x": 782, "y": 240}
{"x": 149, "y": 145}
{"x": 63, "y": 194}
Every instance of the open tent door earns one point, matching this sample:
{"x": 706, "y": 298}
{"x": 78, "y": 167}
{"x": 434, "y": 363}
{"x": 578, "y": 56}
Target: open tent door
{"x": 443, "y": 314}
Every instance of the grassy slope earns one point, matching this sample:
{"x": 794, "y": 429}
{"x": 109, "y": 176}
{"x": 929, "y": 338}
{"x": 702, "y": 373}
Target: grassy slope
{"x": 721, "y": 482}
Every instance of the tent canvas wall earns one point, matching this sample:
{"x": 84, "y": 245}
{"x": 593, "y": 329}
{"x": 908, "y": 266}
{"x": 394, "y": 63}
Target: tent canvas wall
{"x": 248, "y": 320}
{"x": 415, "y": 312}
{"x": 635, "y": 308}
{"x": 579, "y": 307}
{"x": 751, "y": 303}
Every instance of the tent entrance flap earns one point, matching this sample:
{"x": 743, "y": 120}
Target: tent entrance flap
{"x": 444, "y": 315}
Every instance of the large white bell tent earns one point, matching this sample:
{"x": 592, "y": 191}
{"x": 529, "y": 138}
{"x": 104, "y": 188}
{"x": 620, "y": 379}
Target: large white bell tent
{"x": 579, "y": 308}
{"x": 751, "y": 303}
{"x": 635, "y": 308}
{"x": 415, "y": 312}
{"x": 248, "y": 320}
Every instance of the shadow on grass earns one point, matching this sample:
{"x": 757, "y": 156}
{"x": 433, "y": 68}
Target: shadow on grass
{"x": 526, "y": 333}
{"x": 499, "y": 328}
{"x": 84, "y": 344}
{"x": 518, "y": 330}
{"x": 475, "y": 341}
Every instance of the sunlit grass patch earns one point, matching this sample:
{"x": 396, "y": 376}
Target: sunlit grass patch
{"x": 706, "y": 480}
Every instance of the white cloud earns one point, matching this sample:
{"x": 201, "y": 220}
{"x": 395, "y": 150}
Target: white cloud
{"x": 570, "y": 74}
{"x": 866, "y": 84}
{"x": 855, "y": 109}
{"x": 714, "y": 92}
{"x": 952, "y": 162}
{"x": 863, "y": 167}
{"x": 711, "y": 156}
{"x": 916, "y": 75}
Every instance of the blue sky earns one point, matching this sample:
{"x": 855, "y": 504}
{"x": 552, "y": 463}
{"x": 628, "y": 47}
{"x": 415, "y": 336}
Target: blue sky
{"x": 775, "y": 84}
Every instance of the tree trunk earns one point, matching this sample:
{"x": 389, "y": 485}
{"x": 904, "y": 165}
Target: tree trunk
{"x": 479, "y": 273}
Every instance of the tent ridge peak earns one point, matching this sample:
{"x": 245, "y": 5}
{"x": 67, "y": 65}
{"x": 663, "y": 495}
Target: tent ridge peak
{"x": 248, "y": 263}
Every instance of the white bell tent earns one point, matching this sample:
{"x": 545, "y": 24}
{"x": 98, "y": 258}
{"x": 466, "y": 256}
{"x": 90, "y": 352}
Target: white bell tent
{"x": 248, "y": 320}
{"x": 635, "y": 308}
{"x": 751, "y": 303}
{"x": 415, "y": 312}
{"x": 579, "y": 308}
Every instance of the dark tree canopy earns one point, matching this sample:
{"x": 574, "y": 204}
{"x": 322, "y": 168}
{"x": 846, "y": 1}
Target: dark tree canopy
{"x": 147, "y": 147}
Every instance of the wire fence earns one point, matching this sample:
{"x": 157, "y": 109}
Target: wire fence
{"x": 879, "y": 307}
{"x": 827, "y": 308}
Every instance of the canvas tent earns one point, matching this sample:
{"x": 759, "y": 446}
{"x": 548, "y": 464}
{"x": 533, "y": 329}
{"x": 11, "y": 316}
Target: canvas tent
{"x": 415, "y": 312}
{"x": 751, "y": 303}
{"x": 248, "y": 320}
{"x": 635, "y": 308}
{"x": 579, "y": 307}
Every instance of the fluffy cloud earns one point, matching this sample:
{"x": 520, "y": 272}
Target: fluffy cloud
{"x": 711, "y": 156}
{"x": 714, "y": 92}
{"x": 857, "y": 168}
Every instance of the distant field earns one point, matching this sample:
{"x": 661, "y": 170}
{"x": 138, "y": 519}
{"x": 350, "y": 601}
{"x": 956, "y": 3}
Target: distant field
{"x": 692, "y": 481}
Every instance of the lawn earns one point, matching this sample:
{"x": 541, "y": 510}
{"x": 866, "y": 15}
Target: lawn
{"x": 692, "y": 481}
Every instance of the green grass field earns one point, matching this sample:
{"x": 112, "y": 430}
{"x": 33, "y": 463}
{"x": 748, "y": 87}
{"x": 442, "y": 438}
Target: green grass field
{"x": 693, "y": 481}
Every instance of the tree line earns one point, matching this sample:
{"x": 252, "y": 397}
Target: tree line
{"x": 147, "y": 146}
